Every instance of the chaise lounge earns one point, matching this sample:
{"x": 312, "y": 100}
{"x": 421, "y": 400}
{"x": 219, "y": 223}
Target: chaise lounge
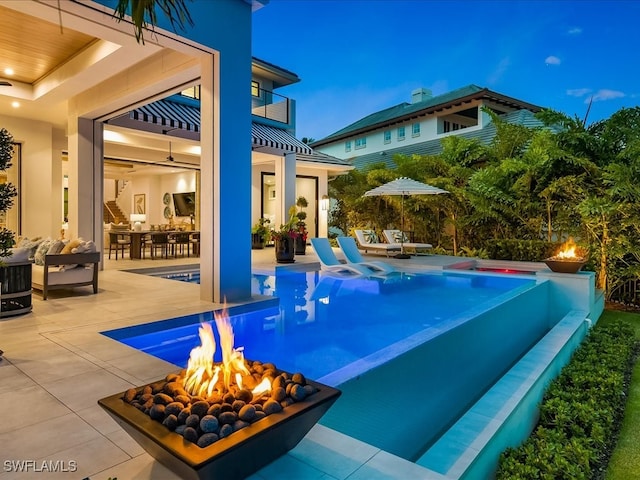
{"x": 398, "y": 237}
{"x": 368, "y": 240}
{"x": 351, "y": 253}
{"x": 329, "y": 262}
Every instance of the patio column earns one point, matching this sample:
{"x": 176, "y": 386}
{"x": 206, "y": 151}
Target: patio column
{"x": 285, "y": 168}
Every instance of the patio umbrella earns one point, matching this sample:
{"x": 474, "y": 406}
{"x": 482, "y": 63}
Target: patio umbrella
{"x": 404, "y": 186}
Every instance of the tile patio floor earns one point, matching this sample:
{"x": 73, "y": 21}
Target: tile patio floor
{"x": 56, "y": 366}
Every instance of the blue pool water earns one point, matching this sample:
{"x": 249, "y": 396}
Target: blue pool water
{"x": 325, "y": 325}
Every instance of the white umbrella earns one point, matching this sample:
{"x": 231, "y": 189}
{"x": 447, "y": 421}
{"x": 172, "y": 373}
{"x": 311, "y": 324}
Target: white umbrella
{"x": 404, "y": 186}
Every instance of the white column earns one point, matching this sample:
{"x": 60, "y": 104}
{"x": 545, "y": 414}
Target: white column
{"x": 285, "y": 169}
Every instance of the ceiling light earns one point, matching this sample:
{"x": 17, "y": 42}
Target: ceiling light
{"x": 15, "y": 104}
{"x": 8, "y": 71}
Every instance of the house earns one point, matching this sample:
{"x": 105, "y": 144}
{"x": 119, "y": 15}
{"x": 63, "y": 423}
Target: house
{"x": 85, "y": 107}
{"x": 418, "y": 127}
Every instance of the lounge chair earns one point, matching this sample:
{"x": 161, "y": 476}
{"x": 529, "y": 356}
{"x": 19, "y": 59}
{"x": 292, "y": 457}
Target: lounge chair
{"x": 368, "y": 240}
{"x": 352, "y": 254}
{"x": 330, "y": 263}
{"x": 398, "y": 237}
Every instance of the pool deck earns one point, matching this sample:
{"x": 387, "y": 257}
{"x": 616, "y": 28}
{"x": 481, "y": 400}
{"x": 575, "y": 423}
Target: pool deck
{"x": 57, "y": 365}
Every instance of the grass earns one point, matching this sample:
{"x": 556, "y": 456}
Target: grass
{"x": 625, "y": 461}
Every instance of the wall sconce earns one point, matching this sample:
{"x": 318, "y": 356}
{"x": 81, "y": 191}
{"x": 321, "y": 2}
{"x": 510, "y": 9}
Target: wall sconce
{"x": 137, "y": 219}
{"x": 324, "y": 203}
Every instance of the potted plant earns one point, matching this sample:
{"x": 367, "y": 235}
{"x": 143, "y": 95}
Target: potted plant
{"x": 260, "y": 233}
{"x": 284, "y": 238}
{"x": 301, "y": 226}
{"x": 15, "y": 274}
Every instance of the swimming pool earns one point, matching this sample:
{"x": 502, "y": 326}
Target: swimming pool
{"x": 326, "y": 326}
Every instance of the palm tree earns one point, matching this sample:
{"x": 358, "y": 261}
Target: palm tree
{"x": 143, "y": 14}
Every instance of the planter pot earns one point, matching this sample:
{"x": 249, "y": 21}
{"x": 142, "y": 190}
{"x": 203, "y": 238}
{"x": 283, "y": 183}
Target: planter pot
{"x": 257, "y": 241}
{"x": 285, "y": 250}
{"x": 300, "y": 246}
{"x": 15, "y": 279}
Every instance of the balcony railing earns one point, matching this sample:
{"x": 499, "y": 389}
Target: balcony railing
{"x": 271, "y": 105}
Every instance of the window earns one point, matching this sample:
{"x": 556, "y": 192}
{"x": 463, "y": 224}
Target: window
{"x": 361, "y": 142}
{"x": 415, "y": 130}
{"x": 255, "y": 89}
{"x": 400, "y": 133}
{"x": 191, "y": 92}
{"x": 387, "y": 136}
{"x": 347, "y": 146}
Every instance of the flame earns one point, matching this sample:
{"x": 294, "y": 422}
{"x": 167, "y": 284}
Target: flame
{"x": 202, "y": 375}
{"x": 568, "y": 251}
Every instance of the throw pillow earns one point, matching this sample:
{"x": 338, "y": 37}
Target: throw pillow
{"x": 370, "y": 236}
{"x": 18, "y": 255}
{"x": 68, "y": 248}
{"x": 56, "y": 247}
{"x": 399, "y": 237}
{"x": 42, "y": 250}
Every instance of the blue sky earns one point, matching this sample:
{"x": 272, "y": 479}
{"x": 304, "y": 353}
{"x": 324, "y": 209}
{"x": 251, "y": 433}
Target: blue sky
{"x": 356, "y": 57}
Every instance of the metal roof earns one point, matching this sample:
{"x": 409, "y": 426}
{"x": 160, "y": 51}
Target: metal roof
{"x": 406, "y": 111}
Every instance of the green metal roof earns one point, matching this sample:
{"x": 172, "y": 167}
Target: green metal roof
{"x": 434, "y": 147}
{"x": 406, "y": 111}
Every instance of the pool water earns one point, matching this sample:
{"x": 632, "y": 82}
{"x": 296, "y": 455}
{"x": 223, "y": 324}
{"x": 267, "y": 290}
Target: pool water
{"x": 326, "y": 324}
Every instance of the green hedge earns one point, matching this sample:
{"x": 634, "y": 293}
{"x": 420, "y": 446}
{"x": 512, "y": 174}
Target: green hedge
{"x": 521, "y": 250}
{"x": 581, "y": 412}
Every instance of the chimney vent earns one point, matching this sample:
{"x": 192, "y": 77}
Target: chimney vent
{"x": 420, "y": 95}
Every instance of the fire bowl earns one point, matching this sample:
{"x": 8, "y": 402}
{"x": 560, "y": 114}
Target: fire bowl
{"x": 565, "y": 265}
{"x": 234, "y": 457}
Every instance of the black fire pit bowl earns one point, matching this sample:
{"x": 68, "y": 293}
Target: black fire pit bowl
{"x": 565, "y": 266}
{"x": 234, "y": 457}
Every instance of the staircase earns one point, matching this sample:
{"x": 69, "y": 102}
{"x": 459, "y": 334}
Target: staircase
{"x": 113, "y": 214}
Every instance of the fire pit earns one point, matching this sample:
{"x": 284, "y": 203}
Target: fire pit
{"x": 566, "y": 261}
{"x": 221, "y": 421}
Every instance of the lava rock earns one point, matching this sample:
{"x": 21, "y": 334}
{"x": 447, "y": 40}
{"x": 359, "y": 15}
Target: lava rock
{"x": 190, "y": 434}
{"x": 287, "y": 402}
{"x": 298, "y": 393}
{"x": 147, "y": 390}
{"x": 129, "y": 395}
{"x": 228, "y": 398}
{"x": 239, "y": 425}
{"x": 171, "y": 422}
{"x": 200, "y": 408}
{"x": 183, "y": 415}
{"x": 278, "y": 394}
{"x": 214, "y": 398}
{"x": 299, "y": 378}
{"x": 226, "y": 407}
{"x": 207, "y": 439}
{"x": 180, "y": 429}
{"x": 225, "y": 431}
{"x": 244, "y": 395}
{"x": 145, "y": 397}
{"x": 227, "y": 417}
{"x": 258, "y": 407}
{"x": 171, "y": 387}
{"x": 310, "y": 389}
{"x": 214, "y": 410}
{"x": 278, "y": 382}
{"x": 183, "y": 399}
{"x": 271, "y": 406}
{"x": 247, "y": 413}
{"x": 192, "y": 421}
{"x": 237, "y": 405}
{"x": 157, "y": 387}
{"x": 157, "y": 412}
{"x": 209, "y": 424}
{"x": 174, "y": 408}
{"x": 172, "y": 377}
{"x": 162, "y": 399}
{"x": 259, "y": 415}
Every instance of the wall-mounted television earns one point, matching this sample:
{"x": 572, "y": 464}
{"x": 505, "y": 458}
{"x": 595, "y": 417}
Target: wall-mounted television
{"x": 184, "y": 204}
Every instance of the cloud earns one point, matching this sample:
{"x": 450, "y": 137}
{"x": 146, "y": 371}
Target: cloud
{"x": 605, "y": 94}
{"x": 575, "y": 31}
{"x": 578, "y": 92}
{"x": 552, "y": 60}
{"x": 499, "y": 71}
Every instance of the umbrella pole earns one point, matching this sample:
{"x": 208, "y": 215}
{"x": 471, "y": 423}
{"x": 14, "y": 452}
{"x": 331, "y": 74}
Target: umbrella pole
{"x": 402, "y": 254}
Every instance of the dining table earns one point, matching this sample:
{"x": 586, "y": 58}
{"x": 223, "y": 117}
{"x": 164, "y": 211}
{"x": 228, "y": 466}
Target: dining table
{"x": 136, "y": 240}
